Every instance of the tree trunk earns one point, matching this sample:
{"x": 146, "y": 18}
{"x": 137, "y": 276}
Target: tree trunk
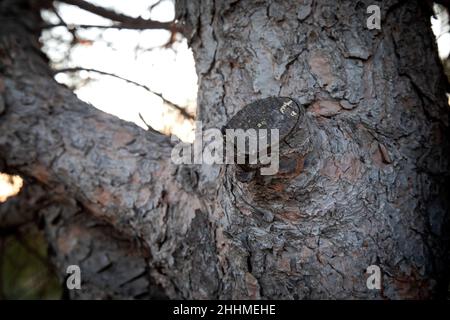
{"x": 363, "y": 179}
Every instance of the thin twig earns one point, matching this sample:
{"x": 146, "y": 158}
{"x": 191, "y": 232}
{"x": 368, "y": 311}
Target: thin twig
{"x": 86, "y": 26}
{"x": 149, "y": 127}
{"x": 119, "y": 17}
{"x": 180, "y": 109}
{"x": 157, "y": 3}
{"x": 71, "y": 29}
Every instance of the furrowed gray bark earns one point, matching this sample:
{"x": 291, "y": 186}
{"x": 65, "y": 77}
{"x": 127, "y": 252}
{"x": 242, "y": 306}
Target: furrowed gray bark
{"x": 363, "y": 182}
{"x": 374, "y": 188}
{"x": 18, "y": 211}
{"x": 113, "y": 266}
{"x": 113, "y": 170}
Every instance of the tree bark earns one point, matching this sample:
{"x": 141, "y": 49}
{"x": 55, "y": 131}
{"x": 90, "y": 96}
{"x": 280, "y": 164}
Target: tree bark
{"x": 374, "y": 188}
{"x": 363, "y": 182}
{"x": 113, "y": 169}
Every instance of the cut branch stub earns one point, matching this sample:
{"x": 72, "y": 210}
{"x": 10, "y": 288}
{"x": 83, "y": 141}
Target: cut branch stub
{"x": 281, "y": 113}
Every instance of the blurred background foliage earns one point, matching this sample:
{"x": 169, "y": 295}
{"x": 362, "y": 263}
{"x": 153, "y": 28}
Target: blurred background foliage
{"x": 25, "y": 270}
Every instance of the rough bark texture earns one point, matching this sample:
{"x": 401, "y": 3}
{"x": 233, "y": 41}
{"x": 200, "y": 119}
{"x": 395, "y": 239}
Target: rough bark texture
{"x": 371, "y": 190}
{"x": 363, "y": 181}
{"x": 113, "y": 169}
{"x": 113, "y": 266}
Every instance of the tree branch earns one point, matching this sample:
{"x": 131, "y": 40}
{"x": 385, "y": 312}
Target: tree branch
{"x": 126, "y": 21}
{"x": 98, "y": 26}
{"x": 112, "y": 265}
{"x": 22, "y": 208}
{"x": 113, "y": 169}
{"x": 180, "y": 109}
